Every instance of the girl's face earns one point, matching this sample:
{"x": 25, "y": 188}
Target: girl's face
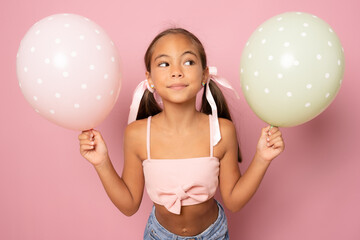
{"x": 176, "y": 70}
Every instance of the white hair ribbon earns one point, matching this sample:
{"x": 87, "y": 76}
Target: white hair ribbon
{"x": 215, "y": 121}
{"x": 140, "y": 89}
{"x": 138, "y": 94}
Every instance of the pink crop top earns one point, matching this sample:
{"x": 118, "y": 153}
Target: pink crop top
{"x": 181, "y": 182}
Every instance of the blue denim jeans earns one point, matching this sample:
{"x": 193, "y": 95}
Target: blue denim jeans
{"x": 216, "y": 231}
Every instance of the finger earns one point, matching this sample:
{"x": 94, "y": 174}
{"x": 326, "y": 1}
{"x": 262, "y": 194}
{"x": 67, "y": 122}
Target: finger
{"x": 270, "y": 138}
{"x": 90, "y": 133}
{"x": 272, "y": 130}
{"x": 264, "y": 131}
{"x": 276, "y": 142}
{"x": 97, "y": 135}
{"x": 86, "y": 135}
{"x": 83, "y": 136}
{"x": 95, "y": 132}
{"x": 274, "y": 135}
{"x": 278, "y": 145}
{"x": 87, "y": 142}
{"x": 86, "y": 147}
{"x": 87, "y": 132}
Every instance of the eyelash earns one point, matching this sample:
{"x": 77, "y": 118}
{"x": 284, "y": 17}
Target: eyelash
{"x": 191, "y": 62}
{"x": 167, "y": 64}
{"x": 162, "y": 64}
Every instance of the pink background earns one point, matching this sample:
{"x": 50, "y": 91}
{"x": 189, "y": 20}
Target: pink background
{"x": 48, "y": 191}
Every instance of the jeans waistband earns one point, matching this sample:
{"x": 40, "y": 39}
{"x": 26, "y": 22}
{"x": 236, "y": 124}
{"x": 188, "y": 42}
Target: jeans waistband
{"x": 214, "y": 231}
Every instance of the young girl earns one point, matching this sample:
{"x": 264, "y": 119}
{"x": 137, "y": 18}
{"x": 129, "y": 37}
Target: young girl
{"x": 177, "y": 152}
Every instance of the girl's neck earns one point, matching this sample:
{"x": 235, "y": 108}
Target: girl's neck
{"x": 179, "y": 117}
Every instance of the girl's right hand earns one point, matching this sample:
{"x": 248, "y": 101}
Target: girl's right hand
{"x": 93, "y": 147}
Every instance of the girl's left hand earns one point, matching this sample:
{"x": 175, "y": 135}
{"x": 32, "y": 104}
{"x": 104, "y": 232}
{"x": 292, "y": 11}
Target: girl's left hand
{"x": 270, "y": 144}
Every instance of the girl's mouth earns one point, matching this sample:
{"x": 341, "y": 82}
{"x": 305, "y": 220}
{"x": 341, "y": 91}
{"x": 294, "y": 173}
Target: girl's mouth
{"x": 177, "y": 86}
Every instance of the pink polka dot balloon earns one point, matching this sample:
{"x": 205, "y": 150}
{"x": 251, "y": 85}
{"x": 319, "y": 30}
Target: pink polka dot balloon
{"x": 68, "y": 70}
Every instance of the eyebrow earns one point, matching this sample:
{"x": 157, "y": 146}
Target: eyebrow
{"x": 186, "y": 52}
{"x": 161, "y": 55}
{"x": 189, "y": 52}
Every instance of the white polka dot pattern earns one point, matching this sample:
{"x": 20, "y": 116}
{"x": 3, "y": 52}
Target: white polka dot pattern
{"x": 292, "y": 67}
{"x": 68, "y": 70}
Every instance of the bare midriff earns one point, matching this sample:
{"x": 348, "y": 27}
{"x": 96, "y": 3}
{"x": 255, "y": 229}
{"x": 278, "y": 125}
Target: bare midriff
{"x": 193, "y": 219}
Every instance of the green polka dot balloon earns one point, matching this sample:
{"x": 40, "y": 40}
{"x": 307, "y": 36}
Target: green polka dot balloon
{"x": 291, "y": 68}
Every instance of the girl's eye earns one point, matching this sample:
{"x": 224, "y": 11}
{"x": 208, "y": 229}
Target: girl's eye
{"x": 189, "y": 62}
{"x": 163, "y": 64}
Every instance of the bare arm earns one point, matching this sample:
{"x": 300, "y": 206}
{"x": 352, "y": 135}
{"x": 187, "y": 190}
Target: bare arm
{"x": 126, "y": 191}
{"x": 237, "y": 190}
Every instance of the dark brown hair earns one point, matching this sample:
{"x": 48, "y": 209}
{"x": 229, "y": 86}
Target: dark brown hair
{"x": 148, "y": 105}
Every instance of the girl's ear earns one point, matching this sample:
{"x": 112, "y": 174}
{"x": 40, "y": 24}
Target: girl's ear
{"x": 148, "y": 78}
{"x": 205, "y": 75}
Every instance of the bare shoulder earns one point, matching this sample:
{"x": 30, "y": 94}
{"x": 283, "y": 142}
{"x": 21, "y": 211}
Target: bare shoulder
{"x": 228, "y": 135}
{"x": 135, "y": 137}
{"x": 227, "y": 128}
{"x": 136, "y": 129}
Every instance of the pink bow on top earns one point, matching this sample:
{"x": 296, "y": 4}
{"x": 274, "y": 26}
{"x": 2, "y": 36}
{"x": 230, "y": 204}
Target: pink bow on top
{"x": 140, "y": 89}
{"x": 172, "y": 200}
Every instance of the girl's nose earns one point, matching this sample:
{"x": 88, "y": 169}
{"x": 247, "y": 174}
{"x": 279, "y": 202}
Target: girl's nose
{"x": 176, "y": 73}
